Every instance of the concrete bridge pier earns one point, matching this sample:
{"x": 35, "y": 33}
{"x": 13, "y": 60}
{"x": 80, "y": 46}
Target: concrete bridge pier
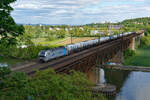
{"x": 138, "y": 40}
{"x": 142, "y": 34}
{"x": 99, "y": 75}
{"x": 135, "y": 41}
{"x": 132, "y": 43}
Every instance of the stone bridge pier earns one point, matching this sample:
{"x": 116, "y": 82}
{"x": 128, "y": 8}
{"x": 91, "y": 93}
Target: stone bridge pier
{"x": 132, "y": 44}
{"x": 135, "y": 41}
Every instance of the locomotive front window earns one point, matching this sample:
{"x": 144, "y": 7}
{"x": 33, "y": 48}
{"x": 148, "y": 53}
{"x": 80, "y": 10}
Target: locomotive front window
{"x": 42, "y": 54}
{"x": 48, "y": 53}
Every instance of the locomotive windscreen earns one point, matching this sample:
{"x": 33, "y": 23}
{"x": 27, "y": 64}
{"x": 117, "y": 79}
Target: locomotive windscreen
{"x": 42, "y": 53}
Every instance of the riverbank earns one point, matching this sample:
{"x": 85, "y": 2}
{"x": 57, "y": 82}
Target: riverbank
{"x": 142, "y": 58}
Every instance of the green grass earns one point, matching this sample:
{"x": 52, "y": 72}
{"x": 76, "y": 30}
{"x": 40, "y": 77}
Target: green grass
{"x": 43, "y": 41}
{"x": 142, "y": 58}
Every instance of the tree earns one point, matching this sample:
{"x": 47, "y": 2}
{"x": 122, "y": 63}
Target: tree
{"x": 9, "y": 30}
{"x": 147, "y": 29}
{"x": 47, "y": 85}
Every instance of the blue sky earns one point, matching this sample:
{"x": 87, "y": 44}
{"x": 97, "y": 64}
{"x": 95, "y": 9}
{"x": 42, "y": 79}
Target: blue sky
{"x": 78, "y": 11}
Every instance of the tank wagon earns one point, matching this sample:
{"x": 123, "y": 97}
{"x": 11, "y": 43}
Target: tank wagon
{"x": 47, "y": 55}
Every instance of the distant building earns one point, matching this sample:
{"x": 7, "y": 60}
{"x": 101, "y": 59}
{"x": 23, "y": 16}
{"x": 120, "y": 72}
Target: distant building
{"x": 57, "y": 28}
{"x": 112, "y": 27}
{"x": 117, "y": 27}
{"x": 70, "y": 28}
{"x": 40, "y": 25}
{"x": 50, "y": 28}
{"x": 94, "y": 32}
{"x": 102, "y": 32}
{"x": 97, "y": 32}
{"x": 66, "y": 29}
{"x": 138, "y": 23}
{"x": 81, "y": 28}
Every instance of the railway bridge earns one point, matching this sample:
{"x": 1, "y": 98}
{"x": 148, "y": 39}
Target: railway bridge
{"x": 111, "y": 51}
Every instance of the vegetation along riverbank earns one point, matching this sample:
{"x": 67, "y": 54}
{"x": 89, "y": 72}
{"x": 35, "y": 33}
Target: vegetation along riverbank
{"x": 141, "y": 56}
{"x": 46, "y": 85}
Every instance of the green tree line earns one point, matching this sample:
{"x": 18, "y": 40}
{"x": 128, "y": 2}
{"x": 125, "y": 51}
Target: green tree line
{"x": 46, "y": 85}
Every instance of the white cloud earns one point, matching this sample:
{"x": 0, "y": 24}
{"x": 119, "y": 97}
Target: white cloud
{"x": 26, "y": 6}
{"x": 139, "y": 0}
{"x": 78, "y": 11}
{"x": 61, "y": 11}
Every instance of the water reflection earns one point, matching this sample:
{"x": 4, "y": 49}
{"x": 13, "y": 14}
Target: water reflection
{"x": 3, "y": 65}
{"x": 130, "y": 85}
{"x": 116, "y": 77}
{"x": 136, "y": 87}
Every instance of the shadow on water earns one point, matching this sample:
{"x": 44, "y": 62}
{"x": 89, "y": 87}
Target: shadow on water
{"x": 116, "y": 77}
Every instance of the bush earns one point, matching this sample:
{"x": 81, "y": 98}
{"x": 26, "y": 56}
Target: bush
{"x": 145, "y": 41}
{"x": 47, "y": 85}
{"x": 147, "y": 30}
{"x": 129, "y": 53}
{"x": 4, "y": 71}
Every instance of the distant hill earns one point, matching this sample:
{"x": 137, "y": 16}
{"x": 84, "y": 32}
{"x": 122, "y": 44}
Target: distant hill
{"x": 142, "y": 21}
{"x": 130, "y": 22}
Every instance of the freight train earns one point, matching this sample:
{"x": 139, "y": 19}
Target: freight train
{"x": 47, "y": 55}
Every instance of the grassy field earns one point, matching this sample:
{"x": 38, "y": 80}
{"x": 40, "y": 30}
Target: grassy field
{"x": 76, "y": 40}
{"x": 142, "y": 58}
{"x": 43, "y": 41}
{"x": 65, "y": 41}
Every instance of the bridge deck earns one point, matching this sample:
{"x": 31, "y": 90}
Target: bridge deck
{"x": 130, "y": 68}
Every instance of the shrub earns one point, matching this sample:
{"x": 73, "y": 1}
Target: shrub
{"x": 47, "y": 85}
{"x": 147, "y": 30}
{"x": 4, "y": 71}
{"x": 129, "y": 53}
{"x": 51, "y": 38}
{"x": 145, "y": 41}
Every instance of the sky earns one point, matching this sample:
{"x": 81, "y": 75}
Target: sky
{"x": 78, "y": 12}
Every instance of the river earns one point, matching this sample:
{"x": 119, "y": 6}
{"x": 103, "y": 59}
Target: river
{"x": 131, "y": 85}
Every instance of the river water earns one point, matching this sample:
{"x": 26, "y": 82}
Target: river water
{"x": 131, "y": 85}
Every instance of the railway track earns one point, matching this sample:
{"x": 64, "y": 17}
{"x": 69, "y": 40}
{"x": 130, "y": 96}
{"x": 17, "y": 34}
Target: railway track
{"x": 61, "y": 64}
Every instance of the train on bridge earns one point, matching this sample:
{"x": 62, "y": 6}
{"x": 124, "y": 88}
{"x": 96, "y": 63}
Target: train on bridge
{"x": 47, "y": 55}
